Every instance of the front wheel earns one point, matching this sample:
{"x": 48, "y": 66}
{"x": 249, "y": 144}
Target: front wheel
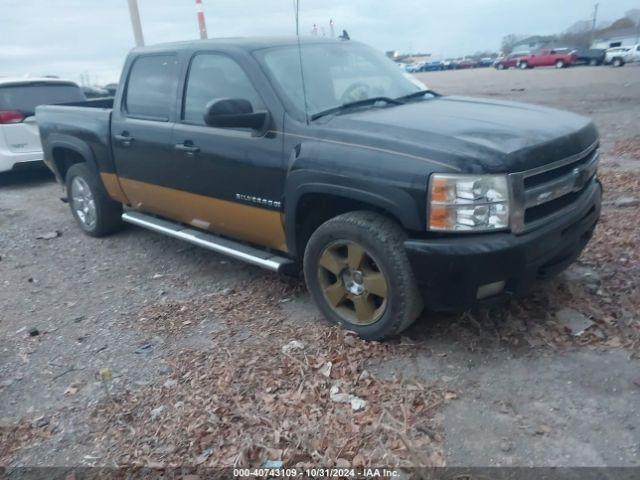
{"x": 560, "y": 64}
{"x": 593, "y": 62}
{"x": 618, "y": 62}
{"x": 359, "y": 275}
{"x": 500, "y": 66}
{"x": 523, "y": 65}
{"x": 96, "y": 214}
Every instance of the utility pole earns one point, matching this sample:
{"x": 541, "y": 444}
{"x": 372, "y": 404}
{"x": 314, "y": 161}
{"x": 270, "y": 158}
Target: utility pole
{"x": 202, "y": 26}
{"x": 331, "y": 29}
{"x": 135, "y": 22}
{"x": 593, "y": 24}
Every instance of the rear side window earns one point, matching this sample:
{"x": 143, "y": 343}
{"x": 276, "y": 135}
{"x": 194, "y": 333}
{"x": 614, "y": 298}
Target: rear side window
{"x": 213, "y": 76}
{"x": 26, "y": 97}
{"x": 150, "y": 90}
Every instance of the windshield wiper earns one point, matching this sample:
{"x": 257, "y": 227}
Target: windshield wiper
{"x": 418, "y": 94}
{"x": 357, "y": 103}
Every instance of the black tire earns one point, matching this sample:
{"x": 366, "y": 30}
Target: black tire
{"x": 500, "y": 66}
{"x": 560, "y": 64}
{"x": 108, "y": 213}
{"x": 617, "y": 62}
{"x": 523, "y": 65}
{"x": 593, "y": 62}
{"x": 381, "y": 240}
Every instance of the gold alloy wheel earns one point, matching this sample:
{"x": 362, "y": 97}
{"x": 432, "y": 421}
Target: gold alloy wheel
{"x": 352, "y": 282}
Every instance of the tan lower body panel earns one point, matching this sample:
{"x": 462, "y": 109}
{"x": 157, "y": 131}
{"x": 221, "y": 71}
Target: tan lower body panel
{"x": 244, "y": 222}
{"x": 112, "y": 185}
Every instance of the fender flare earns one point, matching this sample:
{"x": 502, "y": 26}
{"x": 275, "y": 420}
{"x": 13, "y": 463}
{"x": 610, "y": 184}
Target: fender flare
{"x": 69, "y": 142}
{"x": 396, "y": 202}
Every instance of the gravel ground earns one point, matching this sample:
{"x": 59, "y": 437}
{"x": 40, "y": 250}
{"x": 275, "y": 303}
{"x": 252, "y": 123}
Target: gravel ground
{"x": 506, "y": 386}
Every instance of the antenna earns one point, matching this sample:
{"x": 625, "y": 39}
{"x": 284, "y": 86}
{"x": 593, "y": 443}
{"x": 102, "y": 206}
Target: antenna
{"x": 296, "y": 8}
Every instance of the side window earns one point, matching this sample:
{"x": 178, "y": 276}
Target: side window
{"x": 150, "y": 87}
{"x": 214, "y": 76}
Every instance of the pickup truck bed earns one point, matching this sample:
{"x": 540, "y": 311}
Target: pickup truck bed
{"x": 82, "y": 126}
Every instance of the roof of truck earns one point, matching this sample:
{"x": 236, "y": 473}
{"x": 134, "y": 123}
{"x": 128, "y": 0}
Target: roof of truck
{"x": 246, "y": 43}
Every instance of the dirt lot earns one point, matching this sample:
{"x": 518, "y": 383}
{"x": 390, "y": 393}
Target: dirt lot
{"x": 194, "y": 341}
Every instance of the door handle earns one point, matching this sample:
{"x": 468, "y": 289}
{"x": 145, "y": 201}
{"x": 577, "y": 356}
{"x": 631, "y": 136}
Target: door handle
{"x": 187, "y": 148}
{"x": 124, "y": 139}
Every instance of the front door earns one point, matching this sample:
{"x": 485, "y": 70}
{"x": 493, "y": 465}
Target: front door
{"x": 141, "y": 130}
{"x": 229, "y": 181}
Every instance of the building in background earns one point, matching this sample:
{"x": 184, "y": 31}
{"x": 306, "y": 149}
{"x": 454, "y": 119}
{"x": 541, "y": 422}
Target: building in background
{"x": 625, "y": 37}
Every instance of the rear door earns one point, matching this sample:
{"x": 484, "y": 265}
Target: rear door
{"x": 141, "y": 129}
{"x": 20, "y": 101}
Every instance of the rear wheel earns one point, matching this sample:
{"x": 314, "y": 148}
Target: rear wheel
{"x": 593, "y": 62}
{"x": 560, "y": 64}
{"x": 96, "y": 214}
{"x": 500, "y": 66}
{"x": 359, "y": 276}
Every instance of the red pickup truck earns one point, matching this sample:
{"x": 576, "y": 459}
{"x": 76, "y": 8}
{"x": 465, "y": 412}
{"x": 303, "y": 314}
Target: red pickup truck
{"x": 560, "y": 58}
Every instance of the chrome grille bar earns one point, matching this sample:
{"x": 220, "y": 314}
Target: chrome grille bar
{"x": 565, "y": 183}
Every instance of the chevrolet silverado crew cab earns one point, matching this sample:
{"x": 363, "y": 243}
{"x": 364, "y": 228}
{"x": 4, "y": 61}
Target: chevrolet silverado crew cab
{"x": 326, "y": 156}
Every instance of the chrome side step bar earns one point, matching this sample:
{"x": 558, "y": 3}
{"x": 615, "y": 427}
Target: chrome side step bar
{"x": 221, "y": 245}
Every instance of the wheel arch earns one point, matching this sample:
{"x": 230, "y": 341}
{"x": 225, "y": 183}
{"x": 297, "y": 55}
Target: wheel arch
{"x": 310, "y": 203}
{"x": 67, "y": 151}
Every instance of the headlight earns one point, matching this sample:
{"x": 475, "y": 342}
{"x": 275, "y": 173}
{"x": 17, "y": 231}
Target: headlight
{"x": 468, "y": 203}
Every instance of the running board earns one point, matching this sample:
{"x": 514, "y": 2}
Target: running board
{"x": 236, "y": 250}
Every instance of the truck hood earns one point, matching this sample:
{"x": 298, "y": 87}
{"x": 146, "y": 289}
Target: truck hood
{"x": 470, "y": 134}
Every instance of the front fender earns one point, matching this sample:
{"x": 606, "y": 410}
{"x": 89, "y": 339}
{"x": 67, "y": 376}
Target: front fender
{"x": 395, "y": 201}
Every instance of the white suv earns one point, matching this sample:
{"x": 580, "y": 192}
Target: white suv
{"x": 19, "y": 97}
{"x": 618, "y": 56}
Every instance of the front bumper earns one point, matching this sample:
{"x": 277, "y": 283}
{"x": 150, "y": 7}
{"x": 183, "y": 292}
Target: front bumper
{"x": 450, "y": 270}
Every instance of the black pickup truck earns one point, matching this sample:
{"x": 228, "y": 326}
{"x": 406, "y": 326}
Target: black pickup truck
{"x": 326, "y": 156}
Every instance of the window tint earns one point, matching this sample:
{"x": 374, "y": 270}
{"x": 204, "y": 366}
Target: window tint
{"x": 26, "y": 97}
{"x": 214, "y": 76}
{"x": 150, "y": 87}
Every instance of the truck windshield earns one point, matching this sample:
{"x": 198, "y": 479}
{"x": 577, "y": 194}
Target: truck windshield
{"x": 25, "y": 97}
{"x": 335, "y": 74}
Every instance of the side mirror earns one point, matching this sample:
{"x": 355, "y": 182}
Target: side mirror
{"x": 234, "y": 113}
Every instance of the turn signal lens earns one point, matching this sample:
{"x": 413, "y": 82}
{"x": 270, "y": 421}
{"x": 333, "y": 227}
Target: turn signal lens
{"x": 468, "y": 203}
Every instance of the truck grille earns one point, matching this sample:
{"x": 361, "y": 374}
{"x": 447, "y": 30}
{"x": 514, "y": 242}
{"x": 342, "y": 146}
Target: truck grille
{"x": 550, "y": 191}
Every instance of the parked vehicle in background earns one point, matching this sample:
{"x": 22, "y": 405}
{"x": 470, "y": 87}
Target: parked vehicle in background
{"x": 390, "y": 197}
{"x": 433, "y": 66}
{"x": 449, "y": 64}
{"x": 415, "y": 67}
{"x": 559, "y": 58}
{"x": 618, "y": 56}
{"x": 486, "y": 62}
{"x": 111, "y": 88}
{"x": 466, "y": 63}
{"x": 19, "y": 97}
{"x": 509, "y": 61}
{"x": 589, "y": 56}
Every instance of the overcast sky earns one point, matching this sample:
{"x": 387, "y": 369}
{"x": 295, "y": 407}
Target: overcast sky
{"x": 69, "y": 37}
